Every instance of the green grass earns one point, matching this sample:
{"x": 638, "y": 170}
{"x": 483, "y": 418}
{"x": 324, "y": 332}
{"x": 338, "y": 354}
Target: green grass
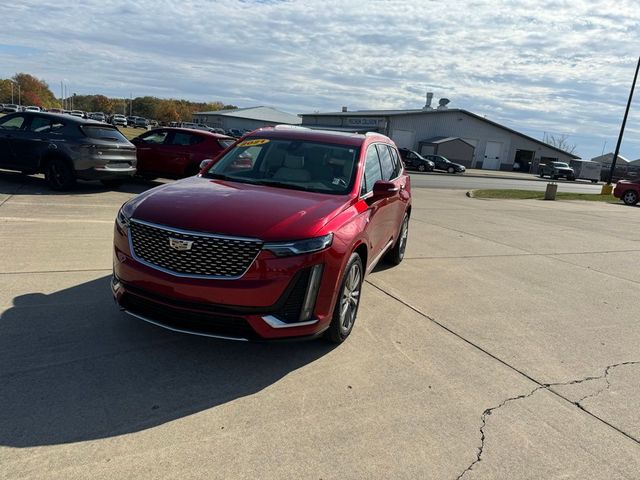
{"x": 131, "y": 132}
{"x": 533, "y": 195}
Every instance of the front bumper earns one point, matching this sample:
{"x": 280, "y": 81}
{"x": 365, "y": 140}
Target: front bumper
{"x": 264, "y": 304}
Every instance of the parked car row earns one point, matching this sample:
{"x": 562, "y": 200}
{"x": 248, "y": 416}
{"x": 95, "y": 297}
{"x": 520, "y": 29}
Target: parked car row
{"x": 414, "y": 161}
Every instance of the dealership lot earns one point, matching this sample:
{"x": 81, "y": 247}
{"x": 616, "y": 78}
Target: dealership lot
{"x": 502, "y": 317}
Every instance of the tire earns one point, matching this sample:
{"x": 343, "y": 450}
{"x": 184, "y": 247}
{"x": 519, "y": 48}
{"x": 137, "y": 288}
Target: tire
{"x": 594, "y": 181}
{"x": 114, "y": 183}
{"x": 554, "y": 177}
{"x": 571, "y": 179}
{"x": 396, "y": 254}
{"x": 451, "y": 170}
{"x": 59, "y": 175}
{"x": 348, "y": 301}
{"x": 421, "y": 168}
{"x": 630, "y": 197}
{"x": 541, "y": 175}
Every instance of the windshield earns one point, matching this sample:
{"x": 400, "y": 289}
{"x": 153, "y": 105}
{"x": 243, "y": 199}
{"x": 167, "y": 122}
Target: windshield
{"x": 295, "y": 164}
{"x": 560, "y": 164}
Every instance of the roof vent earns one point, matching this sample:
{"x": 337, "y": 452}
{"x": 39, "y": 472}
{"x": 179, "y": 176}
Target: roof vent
{"x": 344, "y": 109}
{"x": 427, "y": 105}
{"x": 442, "y": 103}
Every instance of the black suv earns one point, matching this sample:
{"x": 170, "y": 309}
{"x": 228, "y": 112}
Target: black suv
{"x": 442, "y": 163}
{"x": 414, "y": 161}
{"x": 556, "y": 170}
{"x": 65, "y": 148}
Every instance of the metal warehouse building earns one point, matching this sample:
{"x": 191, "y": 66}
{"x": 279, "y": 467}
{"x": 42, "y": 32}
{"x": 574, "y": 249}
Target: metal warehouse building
{"x": 459, "y": 135}
{"x": 245, "y": 118}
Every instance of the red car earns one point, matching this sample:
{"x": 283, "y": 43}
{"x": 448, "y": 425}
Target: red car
{"x": 272, "y": 240}
{"x": 628, "y": 191}
{"x": 176, "y": 152}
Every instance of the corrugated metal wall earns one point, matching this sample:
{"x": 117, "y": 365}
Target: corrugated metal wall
{"x": 473, "y": 130}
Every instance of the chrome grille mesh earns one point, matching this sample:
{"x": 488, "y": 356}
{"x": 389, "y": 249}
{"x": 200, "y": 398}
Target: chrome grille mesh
{"x": 209, "y": 255}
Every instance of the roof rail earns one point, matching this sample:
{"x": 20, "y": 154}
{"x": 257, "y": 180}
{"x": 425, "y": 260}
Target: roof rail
{"x": 376, "y": 134}
{"x": 285, "y": 126}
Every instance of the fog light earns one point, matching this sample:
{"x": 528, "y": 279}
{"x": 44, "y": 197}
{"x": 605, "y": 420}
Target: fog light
{"x": 311, "y": 294}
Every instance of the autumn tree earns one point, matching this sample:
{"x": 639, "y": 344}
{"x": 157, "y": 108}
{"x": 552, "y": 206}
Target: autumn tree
{"x": 34, "y": 91}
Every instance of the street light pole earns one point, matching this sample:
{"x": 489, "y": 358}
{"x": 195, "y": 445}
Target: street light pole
{"x": 624, "y": 122}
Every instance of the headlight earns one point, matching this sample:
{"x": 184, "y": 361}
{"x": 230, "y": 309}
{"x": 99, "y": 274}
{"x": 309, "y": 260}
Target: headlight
{"x": 124, "y": 214}
{"x": 299, "y": 247}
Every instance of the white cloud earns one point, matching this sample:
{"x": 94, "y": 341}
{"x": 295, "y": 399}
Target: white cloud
{"x": 552, "y": 65}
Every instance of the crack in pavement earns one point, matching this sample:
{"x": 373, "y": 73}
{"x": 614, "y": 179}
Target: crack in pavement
{"x": 605, "y": 376}
{"x": 541, "y": 385}
{"x": 546, "y": 386}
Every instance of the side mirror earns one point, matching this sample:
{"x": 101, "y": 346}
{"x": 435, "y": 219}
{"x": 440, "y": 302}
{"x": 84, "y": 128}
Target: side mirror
{"x": 383, "y": 189}
{"x": 205, "y": 163}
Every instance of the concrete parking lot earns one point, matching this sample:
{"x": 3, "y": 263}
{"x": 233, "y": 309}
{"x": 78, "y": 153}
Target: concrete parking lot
{"x": 504, "y": 346}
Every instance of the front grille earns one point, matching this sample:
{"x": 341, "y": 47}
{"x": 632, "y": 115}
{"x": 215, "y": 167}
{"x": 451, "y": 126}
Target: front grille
{"x": 188, "y": 320}
{"x": 207, "y": 256}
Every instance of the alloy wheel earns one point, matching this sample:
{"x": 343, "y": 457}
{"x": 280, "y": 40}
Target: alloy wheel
{"x": 350, "y": 298}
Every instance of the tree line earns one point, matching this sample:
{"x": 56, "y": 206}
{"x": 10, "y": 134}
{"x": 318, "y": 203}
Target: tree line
{"x": 34, "y": 91}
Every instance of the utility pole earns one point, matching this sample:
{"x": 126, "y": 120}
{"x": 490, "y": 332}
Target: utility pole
{"x": 130, "y": 104}
{"x": 11, "y": 91}
{"x": 607, "y": 188}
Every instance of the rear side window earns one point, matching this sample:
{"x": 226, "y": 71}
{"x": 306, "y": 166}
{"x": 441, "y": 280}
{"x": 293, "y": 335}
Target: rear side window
{"x": 397, "y": 164}
{"x": 180, "y": 138}
{"x": 103, "y": 133}
{"x": 14, "y": 123}
{"x": 386, "y": 164}
{"x": 372, "y": 172}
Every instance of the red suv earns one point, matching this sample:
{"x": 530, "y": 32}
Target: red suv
{"x": 271, "y": 240}
{"x": 176, "y": 152}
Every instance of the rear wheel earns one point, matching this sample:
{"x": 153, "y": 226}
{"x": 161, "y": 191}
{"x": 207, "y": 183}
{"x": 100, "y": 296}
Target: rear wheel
{"x": 396, "y": 254}
{"x": 59, "y": 175}
{"x": 348, "y": 301}
{"x": 630, "y": 197}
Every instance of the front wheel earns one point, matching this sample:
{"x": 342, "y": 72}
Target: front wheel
{"x": 451, "y": 170}
{"x": 396, "y": 254}
{"x": 421, "y": 168}
{"x": 346, "y": 308}
{"x": 630, "y": 197}
{"x": 59, "y": 175}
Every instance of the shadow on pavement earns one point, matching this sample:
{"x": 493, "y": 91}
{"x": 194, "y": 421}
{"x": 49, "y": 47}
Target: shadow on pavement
{"x": 13, "y": 183}
{"x": 74, "y": 368}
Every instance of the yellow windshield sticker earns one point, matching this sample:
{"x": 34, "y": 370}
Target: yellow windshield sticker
{"x": 253, "y": 143}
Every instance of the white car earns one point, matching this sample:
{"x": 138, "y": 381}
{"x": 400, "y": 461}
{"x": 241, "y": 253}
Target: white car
{"x": 77, "y": 113}
{"x": 11, "y": 108}
{"x": 119, "y": 120}
{"x": 32, "y": 108}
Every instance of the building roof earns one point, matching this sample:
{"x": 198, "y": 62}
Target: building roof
{"x": 392, "y": 113}
{"x": 608, "y": 158}
{"x": 263, "y": 114}
{"x": 439, "y": 140}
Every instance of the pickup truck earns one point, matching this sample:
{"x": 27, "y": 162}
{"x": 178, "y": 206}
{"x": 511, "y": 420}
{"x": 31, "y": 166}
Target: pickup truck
{"x": 556, "y": 170}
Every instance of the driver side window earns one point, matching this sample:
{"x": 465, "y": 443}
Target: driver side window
{"x": 155, "y": 138}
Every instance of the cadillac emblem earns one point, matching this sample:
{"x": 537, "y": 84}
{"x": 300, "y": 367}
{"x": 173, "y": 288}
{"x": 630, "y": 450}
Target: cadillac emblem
{"x": 180, "y": 245}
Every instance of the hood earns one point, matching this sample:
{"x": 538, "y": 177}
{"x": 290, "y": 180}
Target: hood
{"x": 238, "y": 209}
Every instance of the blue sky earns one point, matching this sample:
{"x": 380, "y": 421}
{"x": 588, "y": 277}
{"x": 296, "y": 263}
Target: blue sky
{"x": 554, "y": 66}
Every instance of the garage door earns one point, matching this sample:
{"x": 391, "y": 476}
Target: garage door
{"x": 492, "y": 156}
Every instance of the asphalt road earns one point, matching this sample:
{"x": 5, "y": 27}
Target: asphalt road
{"x": 504, "y": 346}
{"x": 466, "y": 182}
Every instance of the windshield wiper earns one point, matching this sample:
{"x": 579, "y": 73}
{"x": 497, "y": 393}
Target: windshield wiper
{"x": 217, "y": 176}
{"x": 275, "y": 183}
